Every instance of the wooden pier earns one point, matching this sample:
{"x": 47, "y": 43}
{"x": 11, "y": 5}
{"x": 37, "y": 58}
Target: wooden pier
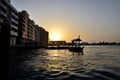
{"x": 52, "y": 47}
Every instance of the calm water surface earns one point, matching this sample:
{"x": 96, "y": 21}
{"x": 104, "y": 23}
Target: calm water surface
{"x": 96, "y": 63}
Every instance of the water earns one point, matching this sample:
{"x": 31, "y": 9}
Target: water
{"x": 96, "y": 63}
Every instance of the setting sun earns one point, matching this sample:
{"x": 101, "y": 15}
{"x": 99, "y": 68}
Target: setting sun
{"x": 55, "y": 36}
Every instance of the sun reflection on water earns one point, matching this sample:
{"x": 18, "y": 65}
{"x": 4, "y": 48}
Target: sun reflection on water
{"x": 56, "y": 60}
{"x": 62, "y": 64}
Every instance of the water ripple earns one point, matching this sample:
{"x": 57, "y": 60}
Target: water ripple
{"x": 97, "y": 63}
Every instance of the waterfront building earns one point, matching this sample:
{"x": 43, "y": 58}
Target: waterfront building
{"x": 31, "y": 31}
{"x": 23, "y": 27}
{"x": 41, "y": 36}
{"x": 37, "y": 35}
{"x": 8, "y": 14}
{"x": 46, "y": 38}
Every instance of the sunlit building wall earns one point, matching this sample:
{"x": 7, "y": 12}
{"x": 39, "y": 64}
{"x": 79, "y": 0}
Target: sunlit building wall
{"x": 10, "y": 14}
{"x": 23, "y": 27}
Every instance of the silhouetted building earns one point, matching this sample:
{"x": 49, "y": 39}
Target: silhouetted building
{"x": 37, "y": 35}
{"x": 41, "y": 36}
{"x": 8, "y": 1}
{"x": 23, "y": 27}
{"x": 9, "y": 14}
{"x": 31, "y": 31}
{"x": 46, "y": 33}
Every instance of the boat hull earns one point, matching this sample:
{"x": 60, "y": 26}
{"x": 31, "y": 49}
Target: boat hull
{"x": 76, "y": 49}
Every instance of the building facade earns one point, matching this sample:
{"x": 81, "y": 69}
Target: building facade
{"x": 41, "y": 36}
{"x": 23, "y": 27}
{"x": 37, "y": 35}
{"x": 31, "y": 31}
{"x": 19, "y": 27}
{"x": 9, "y": 14}
{"x": 26, "y": 31}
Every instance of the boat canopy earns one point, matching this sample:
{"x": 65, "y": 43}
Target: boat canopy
{"x": 77, "y": 39}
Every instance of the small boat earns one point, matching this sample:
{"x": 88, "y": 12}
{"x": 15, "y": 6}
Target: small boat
{"x": 76, "y": 47}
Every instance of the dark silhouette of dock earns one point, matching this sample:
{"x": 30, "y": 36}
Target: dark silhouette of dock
{"x": 52, "y": 47}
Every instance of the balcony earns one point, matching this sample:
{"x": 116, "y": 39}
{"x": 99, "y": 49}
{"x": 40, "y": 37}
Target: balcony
{"x": 14, "y": 26}
{"x": 14, "y": 20}
{"x": 4, "y": 14}
{"x": 14, "y": 15}
{"x": 14, "y": 33}
{"x": 3, "y": 6}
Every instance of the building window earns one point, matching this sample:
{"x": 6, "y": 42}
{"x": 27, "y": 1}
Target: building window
{"x": 13, "y": 29}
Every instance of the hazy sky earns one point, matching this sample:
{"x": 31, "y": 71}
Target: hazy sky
{"x": 93, "y": 20}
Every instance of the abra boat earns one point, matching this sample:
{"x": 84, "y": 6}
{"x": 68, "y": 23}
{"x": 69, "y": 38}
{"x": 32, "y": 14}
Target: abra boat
{"x": 76, "y": 47}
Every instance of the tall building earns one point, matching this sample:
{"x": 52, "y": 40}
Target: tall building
{"x": 41, "y": 36}
{"x": 31, "y": 31}
{"x": 37, "y": 35}
{"x": 23, "y": 27}
{"x": 10, "y": 15}
{"x": 46, "y": 38}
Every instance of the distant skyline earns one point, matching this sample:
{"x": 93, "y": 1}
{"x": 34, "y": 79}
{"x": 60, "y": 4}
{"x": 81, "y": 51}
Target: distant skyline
{"x": 93, "y": 20}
